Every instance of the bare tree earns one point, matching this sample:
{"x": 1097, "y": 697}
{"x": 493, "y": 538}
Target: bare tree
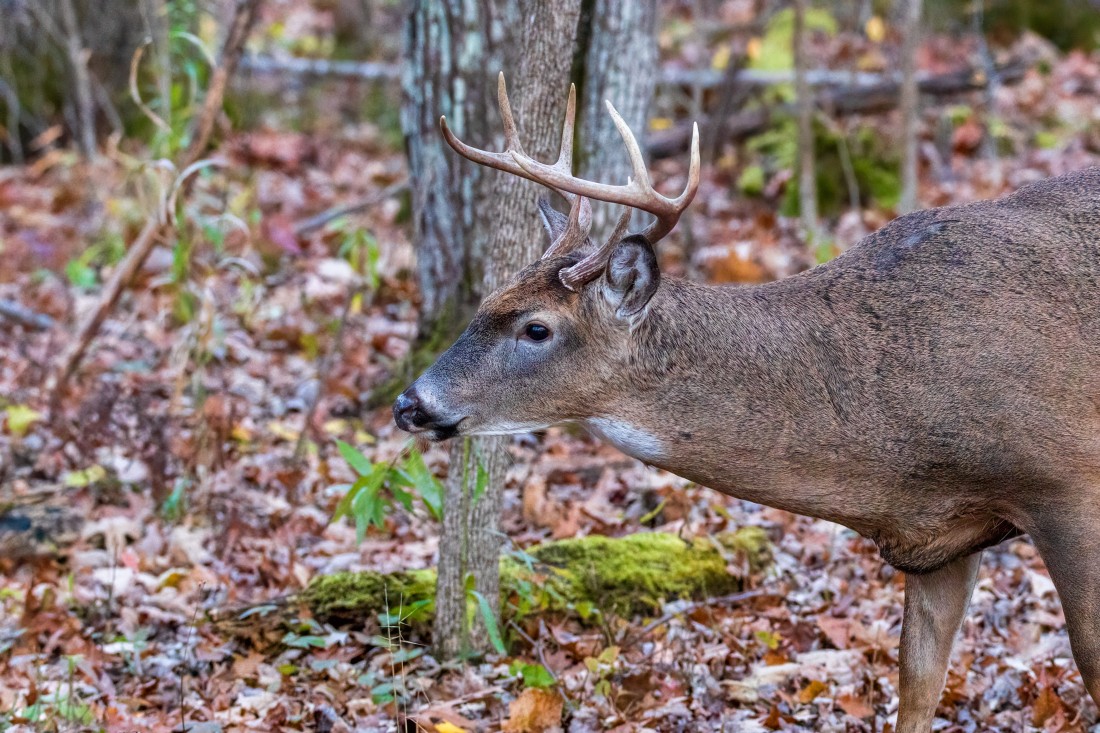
{"x": 475, "y": 228}
{"x": 807, "y": 176}
{"x": 910, "y": 102}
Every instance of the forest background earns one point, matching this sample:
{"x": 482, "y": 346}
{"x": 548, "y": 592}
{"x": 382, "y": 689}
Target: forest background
{"x": 230, "y": 233}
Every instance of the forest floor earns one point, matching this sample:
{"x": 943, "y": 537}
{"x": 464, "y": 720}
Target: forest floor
{"x": 175, "y": 447}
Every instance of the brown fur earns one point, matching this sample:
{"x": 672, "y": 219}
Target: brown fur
{"x": 936, "y": 388}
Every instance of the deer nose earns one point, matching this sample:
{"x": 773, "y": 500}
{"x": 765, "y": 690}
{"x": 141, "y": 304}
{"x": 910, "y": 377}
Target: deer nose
{"x": 407, "y": 412}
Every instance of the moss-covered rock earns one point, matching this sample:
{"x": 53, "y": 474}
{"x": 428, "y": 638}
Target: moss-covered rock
{"x": 581, "y": 577}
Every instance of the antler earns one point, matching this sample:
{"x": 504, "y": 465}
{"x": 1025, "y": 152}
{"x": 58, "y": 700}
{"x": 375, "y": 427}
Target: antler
{"x": 638, "y": 193}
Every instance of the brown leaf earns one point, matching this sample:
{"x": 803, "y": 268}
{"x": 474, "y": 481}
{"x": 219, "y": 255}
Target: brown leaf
{"x": 534, "y": 711}
{"x": 837, "y": 630}
{"x": 1046, "y": 706}
{"x": 855, "y": 706}
{"x": 811, "y": 691}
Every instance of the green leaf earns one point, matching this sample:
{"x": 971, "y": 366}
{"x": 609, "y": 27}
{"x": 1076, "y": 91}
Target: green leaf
{"x": 482, "y": 482}
{"x": 420, "y": 478}
{"x": 87, "y": 477}
{"x": 20, "y": 419}
{"x": 355, "y": 458}
{"x": 768, "y": 639}
{"x": 490, "y": 621}
{"x": 304, "y": 642}
{"x": 533, "y": 675}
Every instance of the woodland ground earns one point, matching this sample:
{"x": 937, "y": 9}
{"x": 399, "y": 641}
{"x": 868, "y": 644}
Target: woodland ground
{"x": 176, "y": 445}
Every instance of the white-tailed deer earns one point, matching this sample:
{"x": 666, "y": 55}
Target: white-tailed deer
{"x": 935, "y": 388}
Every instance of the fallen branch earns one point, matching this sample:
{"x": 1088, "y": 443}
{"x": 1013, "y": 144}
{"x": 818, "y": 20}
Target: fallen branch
{"x": 305, "y": 226}
{"x": 24, "y": 316}
{"x": 360, "y": 70}
{"x": 708, "y": 78}
{"x": 244, "y": 17}
{"x": 858, "y": 98}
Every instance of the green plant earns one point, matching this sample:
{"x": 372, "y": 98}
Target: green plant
{"x": 380, "y": 485}
{"x": 533, "y": 675}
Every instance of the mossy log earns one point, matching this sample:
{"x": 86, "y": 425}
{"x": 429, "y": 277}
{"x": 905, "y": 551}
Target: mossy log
{"x": 582, "y": 577}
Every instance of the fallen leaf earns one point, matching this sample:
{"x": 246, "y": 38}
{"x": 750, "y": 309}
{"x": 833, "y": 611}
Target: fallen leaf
{"x": 811, "y": 691}
{"x": 20, "y": 419}
{"x": 855, "y": 706}
{"x": 534, "y": 711}
{"x": 446, "y": 727}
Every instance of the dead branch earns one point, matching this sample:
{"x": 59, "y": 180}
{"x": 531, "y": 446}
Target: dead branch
{"x": 360, "y": 70}
{"x": 858, "y": 98}
{"x": 305, "y": 226}
{"x": 24, "y": 316}
{"x": 244, "y": 17}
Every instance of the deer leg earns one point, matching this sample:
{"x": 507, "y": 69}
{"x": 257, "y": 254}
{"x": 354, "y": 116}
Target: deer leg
{"x": 935, "y": 604}
{"x": 1069, "y": 546}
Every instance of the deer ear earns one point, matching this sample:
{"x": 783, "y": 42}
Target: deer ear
{"x": 632, "y": 276}
{"x": 553, "y": 220}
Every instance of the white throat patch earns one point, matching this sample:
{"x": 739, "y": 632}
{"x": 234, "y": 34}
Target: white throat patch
{"x": 629, "y": 439}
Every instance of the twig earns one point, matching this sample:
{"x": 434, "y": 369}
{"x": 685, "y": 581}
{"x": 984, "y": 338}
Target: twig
{"x": 537, "y": 646}
{"x": 24, "y": 316}
{"x": 243, "y": 19}
{"x": 305, "y": 226}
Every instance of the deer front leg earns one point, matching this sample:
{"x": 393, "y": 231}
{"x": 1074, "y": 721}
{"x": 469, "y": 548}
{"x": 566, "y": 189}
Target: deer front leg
{"x": 1069, "y": 546}
{"x": 934, "y": 607}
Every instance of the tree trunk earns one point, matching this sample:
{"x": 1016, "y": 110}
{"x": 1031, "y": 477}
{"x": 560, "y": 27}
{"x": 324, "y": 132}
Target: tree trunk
{"x": 620, "y": 65}
{"x": 475, "y": 228}
{"x": 807, "y": 177}
{"x": 910, "y": 105}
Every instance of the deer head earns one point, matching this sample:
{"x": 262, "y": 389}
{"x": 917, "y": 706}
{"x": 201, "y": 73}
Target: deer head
{"x": 574, "y": 313}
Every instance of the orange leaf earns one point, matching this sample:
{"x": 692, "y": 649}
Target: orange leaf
{"x": 534, "y": 711}
{"x": 1047, "y": 705}
{"x": 857, "y": 707}
{"x": 811, "y": 691}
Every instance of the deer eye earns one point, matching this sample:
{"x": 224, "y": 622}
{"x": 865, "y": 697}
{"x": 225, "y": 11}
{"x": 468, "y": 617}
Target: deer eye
{"x": 536, "y": 331}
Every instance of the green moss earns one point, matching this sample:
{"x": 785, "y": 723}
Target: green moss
{"x": 355, "y": 595}
{"x": 633, "y": 574}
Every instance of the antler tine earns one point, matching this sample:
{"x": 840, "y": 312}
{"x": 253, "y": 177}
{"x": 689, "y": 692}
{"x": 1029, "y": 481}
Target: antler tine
{"x": 637, "y": 160}
{"x": 506, "y": 160}
{"x": 576, "y": 230}
{"x": 511, "y": 135}
{"x": 588, "y": 269}
{"x": 663, "y": 225}
{"x": 565, "y": 156}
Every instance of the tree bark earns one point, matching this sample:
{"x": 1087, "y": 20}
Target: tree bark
{"x": 474, "y": 229}
{"x": 620, "y": 65}
{"x": 807, "y": 178}
{"x": 910, "y": 101}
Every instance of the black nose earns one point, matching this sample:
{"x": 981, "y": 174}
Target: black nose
{"x": 407, "y": 412}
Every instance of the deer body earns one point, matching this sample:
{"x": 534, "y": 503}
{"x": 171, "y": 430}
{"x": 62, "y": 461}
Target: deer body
{"x": 935, "y": 388}
{"x": 922, "y": 389}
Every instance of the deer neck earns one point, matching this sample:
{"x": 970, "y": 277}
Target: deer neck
{"x": 734, "y": 388}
